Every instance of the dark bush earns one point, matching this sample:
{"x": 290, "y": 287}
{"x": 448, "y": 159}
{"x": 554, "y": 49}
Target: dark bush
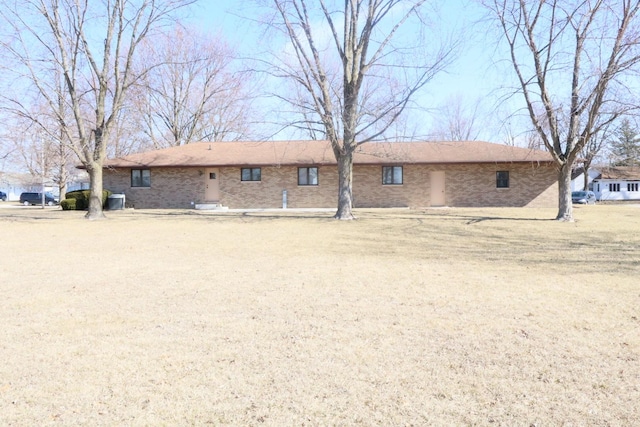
{"x": 81, "y": 198}
{"x": 68, "y": 205}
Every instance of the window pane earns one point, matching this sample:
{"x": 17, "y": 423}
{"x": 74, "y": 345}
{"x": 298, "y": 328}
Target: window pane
{"x": 136, "y": 180}
{"x": 246, "y": 174}
{"x": 302, "y": 176}
{"x": 256, "y": 174}
{"x": 391, "y": 175}
{"x": 387, "y": 175}
{"x": 313, "y": 176}
{"x": 502, "y": 179}
{"x": 397, "y": 175}
{"x": 146, "y": 178}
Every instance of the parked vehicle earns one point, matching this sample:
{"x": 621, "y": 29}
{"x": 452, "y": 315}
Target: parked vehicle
{"x": 583, "y": 197}
{"x": 36, "y": 199}
{"x": 3, "y": 196}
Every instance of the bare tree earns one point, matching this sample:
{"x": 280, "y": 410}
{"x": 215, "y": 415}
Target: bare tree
{"x": 354, "y": 70}
{"x": 196, "y": 92}
{"x": 571, "y": 58}
{"x": 92, "y": 45}
{"x": 456, "y": 121}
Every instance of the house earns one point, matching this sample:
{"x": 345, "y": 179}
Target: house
{"x": 617, "y": 183}
{"x": 577, "y": 178}
{"x": 303, "y": 174}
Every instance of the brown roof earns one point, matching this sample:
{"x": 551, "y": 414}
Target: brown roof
{"x": 624, "y": 173}
{"x": 274, "y": 153}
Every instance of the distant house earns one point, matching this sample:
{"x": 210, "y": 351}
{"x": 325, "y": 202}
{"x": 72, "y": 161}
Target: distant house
{"x": 303, "y": 174}
{"x": 618, "y": 183}
{"x": 577, "y": 178}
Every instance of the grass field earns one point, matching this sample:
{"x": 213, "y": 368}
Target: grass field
{"x": 443, "y": 317}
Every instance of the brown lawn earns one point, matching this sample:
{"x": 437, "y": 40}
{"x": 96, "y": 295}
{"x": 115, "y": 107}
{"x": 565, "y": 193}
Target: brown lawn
{"x": 479, "y": 317}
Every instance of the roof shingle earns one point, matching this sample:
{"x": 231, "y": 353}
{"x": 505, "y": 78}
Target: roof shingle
{"x": 276, "y": 153}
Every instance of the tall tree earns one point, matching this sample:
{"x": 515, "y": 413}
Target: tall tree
{"x": 571, "y": 58}
{"x": 625, "y": 148}
{"x": 197, "y": 92}
{"x": 355, "y": 71}
{"x": 92, "y": 45}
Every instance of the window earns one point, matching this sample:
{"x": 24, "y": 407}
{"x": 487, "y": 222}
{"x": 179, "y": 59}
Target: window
{"x": 307, "y": 176}
{"x": 140, "y": 178}
{"x": 392, "y": 175}
{"x": 614, "y": 186}
{"x": 251, "y": 174}
{"x": 632, "y": 186}
{"x": 502, "y": 179}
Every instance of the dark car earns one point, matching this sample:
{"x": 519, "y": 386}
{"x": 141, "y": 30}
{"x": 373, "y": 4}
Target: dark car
{"x": 3, "y": 196}
{"x": 583, "y": 197}
{"x": 36, "y": 199}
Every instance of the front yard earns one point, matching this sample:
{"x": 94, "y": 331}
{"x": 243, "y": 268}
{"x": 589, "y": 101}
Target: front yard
{"x": 438, "y": 317}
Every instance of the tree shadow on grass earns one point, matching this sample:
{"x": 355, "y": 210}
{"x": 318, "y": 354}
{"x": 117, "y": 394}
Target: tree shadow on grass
{"x": 479, "y": 219}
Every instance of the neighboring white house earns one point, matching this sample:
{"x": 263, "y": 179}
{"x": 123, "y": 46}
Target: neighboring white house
{"x": 617, "y": 183}
{"x": 577, "y": 178}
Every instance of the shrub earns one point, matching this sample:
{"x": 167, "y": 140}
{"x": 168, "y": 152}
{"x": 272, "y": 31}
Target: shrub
{"x": 81, "y": 198}
{"x": 68, "y": 205}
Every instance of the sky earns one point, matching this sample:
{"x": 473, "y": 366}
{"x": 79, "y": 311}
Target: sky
{"x": 473, "y": 77}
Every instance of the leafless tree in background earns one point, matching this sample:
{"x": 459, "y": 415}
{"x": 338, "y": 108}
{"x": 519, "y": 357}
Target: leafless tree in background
{"x": 592, "y": 150}
{"x": 92, "y": 45}
{"x": 571, "y": 58}
{"x": 196, "y": 92}
{"x": 456, "y": 121}
{"x": 355, "y": 70}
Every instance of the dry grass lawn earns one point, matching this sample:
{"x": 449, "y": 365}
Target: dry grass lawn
{"x": 450, "y": 317}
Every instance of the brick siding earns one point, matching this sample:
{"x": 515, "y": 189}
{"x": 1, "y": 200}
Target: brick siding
{"x": 472, "y": 185}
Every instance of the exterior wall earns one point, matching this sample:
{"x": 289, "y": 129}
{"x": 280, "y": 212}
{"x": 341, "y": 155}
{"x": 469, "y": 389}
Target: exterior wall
{"x": 472, "y": 185}
{"x": 601, "y": 188}
{"x": 174, "y": 188}
{"x": 238, "y": 194}
{"x": 530, "y": 185}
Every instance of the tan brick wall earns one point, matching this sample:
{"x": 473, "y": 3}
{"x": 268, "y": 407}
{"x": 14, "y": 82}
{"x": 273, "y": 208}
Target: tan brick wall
{"x": 475, "y": 185}
{"x": 173, "y": 188}
{"x": 267, "y": 193}
{"x": 465, "y": 185}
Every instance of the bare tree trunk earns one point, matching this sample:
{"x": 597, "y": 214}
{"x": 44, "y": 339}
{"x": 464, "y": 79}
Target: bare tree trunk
{"x": 565, "y": 206}
{"x": 95, "y": 199}
{"x": 586, "y": 175}
{"x": 345, "y": 187}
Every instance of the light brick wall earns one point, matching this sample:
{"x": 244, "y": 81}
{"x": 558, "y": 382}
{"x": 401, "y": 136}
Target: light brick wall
{"x": 267, "y": 193}
{"x": 472, "y": 185}
{"x": 173, "y": 188}
{"x": 530, "y": 185}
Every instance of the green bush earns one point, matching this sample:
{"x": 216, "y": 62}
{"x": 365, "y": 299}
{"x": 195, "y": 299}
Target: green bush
{"x": 68, "y": 205}
{"x": 81, "y": 198}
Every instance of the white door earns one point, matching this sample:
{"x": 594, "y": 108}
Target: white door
{"x": 437, "y": 189}
{"x": 212, "y": 186}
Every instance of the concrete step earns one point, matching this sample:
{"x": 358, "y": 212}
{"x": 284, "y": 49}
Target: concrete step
{"x": 211, "y": 207}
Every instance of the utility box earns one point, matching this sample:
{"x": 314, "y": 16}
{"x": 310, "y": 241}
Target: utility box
{"x": 115, "y": 202}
